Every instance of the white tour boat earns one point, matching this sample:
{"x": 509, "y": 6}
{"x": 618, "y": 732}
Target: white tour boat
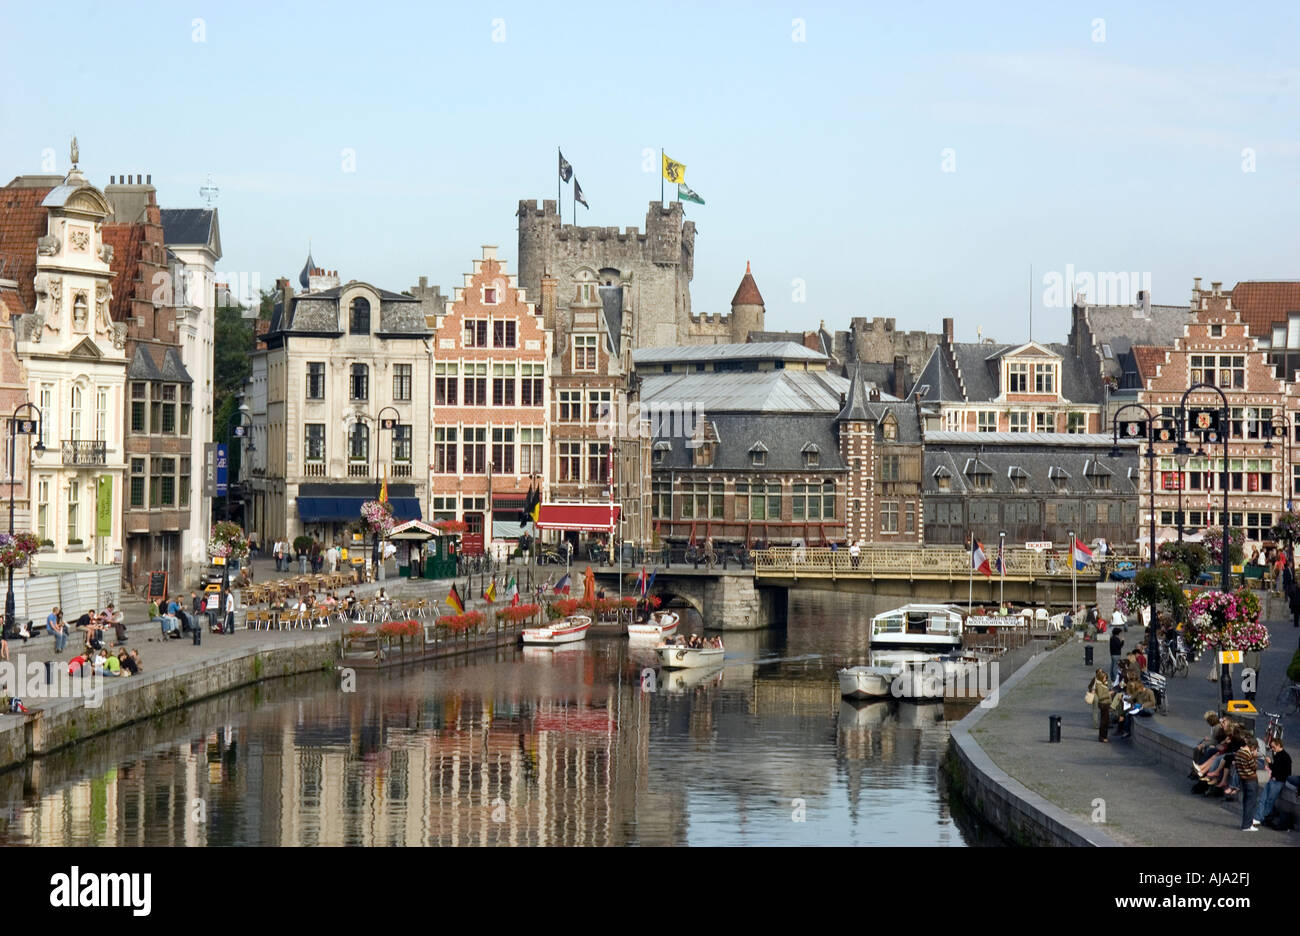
{"x": 661, "y": 624}
{"x": 568, "y": 630}
{"x": 928, "y": 626}
{"x": 868, "y": 682}
{"x": 675, "y": 657}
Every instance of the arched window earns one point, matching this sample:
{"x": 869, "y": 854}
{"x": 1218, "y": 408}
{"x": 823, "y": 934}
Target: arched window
{"x": 360, "y": 320}
{"x": 359, "y": 443}
{"x": 74, "y": 415}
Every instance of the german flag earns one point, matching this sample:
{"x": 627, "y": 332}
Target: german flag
{"x": 453, "y": 599}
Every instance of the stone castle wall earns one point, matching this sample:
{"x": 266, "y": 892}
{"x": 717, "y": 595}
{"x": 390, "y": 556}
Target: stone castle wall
{"x": 878, "y": 340}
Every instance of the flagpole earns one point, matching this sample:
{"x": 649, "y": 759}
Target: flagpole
{"x": 559, "y": 190}
{"x": 1074, "y": 584}
{"x": 970, "y": 591}
{"x": 661, "y": 177}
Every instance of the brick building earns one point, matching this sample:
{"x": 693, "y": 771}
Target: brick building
{"x": 1218, "y": 347}
{"x": 490, "y": 391}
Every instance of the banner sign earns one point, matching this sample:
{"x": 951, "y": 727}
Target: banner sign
{"x": 104, "y": 507}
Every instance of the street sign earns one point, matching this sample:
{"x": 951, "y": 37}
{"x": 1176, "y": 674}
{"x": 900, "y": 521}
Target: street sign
{"x": 222, "y": 463}
{"x": 1039, "y": 547}
{"x": 1136, "y": 429}
{"x": 1229, "y": 656}
{"x": 239, "y": 432}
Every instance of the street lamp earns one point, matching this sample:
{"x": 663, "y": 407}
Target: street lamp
{"x": 1002, "y": 566}
{"x": 1153, "y": 644}
{"x": 1183, "y": 449}
{"x": 381, "y": 424}
{"x": 1275, "y": 425}
{"x": 28, "y": 427}
{"x": 240, "y": 432}
{"x": 1181, "y": 458}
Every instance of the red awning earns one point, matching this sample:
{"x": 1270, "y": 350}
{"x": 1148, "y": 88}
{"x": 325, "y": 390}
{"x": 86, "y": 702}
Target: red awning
{"x": 580, "y": 517}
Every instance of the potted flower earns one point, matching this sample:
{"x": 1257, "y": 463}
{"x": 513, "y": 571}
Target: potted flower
{"x": 1219, "y": 620}
{"x": 227, "y": 540}
{"x": 17, "y": 548}
{"x": 377, "y": 518}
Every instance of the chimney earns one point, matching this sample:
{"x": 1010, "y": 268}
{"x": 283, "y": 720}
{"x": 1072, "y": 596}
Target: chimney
{"x": 549, "y": 286}
{"x": 286, "y": 298}
{"x": 1215, "y": 287}
{"x": 1196, "y": 284}
{"x": 900, "y": 375}
{"x": 947, "y": 331}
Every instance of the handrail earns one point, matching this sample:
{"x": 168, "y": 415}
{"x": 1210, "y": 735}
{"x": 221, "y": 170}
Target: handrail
{"x": 942, "y": 562}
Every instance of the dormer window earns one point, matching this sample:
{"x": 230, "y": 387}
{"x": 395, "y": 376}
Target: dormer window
{"x": 758, "y": 455}
{"x": 1017, "y": 377}
{"x": 1045, "y": 378}
{"x": 359, "y": 319}
{"x": 660, "y": 454}
{"x": 811, "y": 456}
{"x": 704, "y": 455}
{"x": 979, "y": 474}
{"x": 1019, "y": 478}
{"x": 889, "y": 429}
{"x": 1098, "y": 475}
{"x": 1059, "y": 477}
{"x": 943, "y": 479}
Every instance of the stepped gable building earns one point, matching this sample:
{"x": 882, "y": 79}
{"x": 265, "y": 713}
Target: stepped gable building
{"x": 761, "y": 442}
{"x": 53, "y": 234}
{"x": 1035, "y": 486}
{"x": 491, "y": 371}
{"x": 159, "y": 425}
{"x": 1219, "y": 347}
{"x": 1271, "y": 313}
{"x": 989, "y": 387}
{"x": 346, "y": 402}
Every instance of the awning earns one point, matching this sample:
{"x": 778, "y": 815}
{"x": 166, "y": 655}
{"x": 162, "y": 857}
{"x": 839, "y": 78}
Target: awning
{"x": 347, "y": 509}
{"x": 579, "y": 517}
{"x": 506, "y": 530}
{"x": 416, "y": 530}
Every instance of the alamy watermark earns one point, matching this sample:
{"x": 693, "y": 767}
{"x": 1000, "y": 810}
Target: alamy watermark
{"x": 1109, "y": 288}
{"x": 934, "y": 679}
{"x": 26, "y": 680}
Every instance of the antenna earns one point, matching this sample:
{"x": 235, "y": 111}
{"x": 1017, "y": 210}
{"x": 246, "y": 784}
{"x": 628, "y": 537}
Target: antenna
{"x": 1031, "y": 302}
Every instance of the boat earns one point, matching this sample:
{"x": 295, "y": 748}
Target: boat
{"x": 691, "y": 679}
{"x": 661, "y": 624}
{"x": 868, "y": 682}
{"x": 568, "y": 630}
{"x": 672, "y": 656}
{"x": 928, "y": 626}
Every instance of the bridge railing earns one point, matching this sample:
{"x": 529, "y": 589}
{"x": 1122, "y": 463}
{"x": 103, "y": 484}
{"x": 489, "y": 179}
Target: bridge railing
{"x": 950, "y": 562}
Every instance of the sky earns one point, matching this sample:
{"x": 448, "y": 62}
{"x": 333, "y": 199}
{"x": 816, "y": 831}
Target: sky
{"x": 915, "y": 161}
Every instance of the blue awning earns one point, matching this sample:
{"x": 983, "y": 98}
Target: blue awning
{"x": 347, "y": 509}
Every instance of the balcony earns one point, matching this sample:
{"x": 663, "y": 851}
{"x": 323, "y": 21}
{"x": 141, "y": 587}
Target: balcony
{"x": 81, "y": 452}
{"x": 314, "y": 469}
{"x": 401, "y": 469}
{"x": 359, "y": 469}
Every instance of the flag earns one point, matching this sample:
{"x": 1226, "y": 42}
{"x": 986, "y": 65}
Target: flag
{"x": 978, "y": 561}
{"x": 383, "y": 490}
{"x": 562, "y": 586}
{"x": 577, "y": 194}
{"x": 453, "y": 599}
{"x": 1082, "y": 555}
{"x": 512, "y": 592}
{"x": 1002, "y": 569}
{"x": 566, "y": 170}
{"x": 490, "y": 593}
{"x": 537, "y": 508}
{"x": 641, "y": 582}
{"x": 686, "y": 193}
{"x": 525, "y": 512}
{"x": 674, "y": 171}
{"x": 650, "y": 584}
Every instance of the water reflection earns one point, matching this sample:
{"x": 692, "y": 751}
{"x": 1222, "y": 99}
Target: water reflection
{"x": 588, "y": 744}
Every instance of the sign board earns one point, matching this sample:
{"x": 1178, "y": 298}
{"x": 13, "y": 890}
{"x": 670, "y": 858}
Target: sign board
{"x": 210, "y": 469}
{"x": 239, "y": 432}
{"x": 1241, "y": 707}
{"x": 218, "y": 560}
{"x": 157, "y": 584}
{"x": 104, "y": 507}
{"x": 1229, "y": 656}
{"x": 1038, "y": 547}
{"x": 356, "y": 537}
{"x": 222, "y": 463}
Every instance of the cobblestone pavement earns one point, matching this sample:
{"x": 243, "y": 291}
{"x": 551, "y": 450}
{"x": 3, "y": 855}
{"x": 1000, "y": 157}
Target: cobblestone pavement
{"x": 1144, "y": 803}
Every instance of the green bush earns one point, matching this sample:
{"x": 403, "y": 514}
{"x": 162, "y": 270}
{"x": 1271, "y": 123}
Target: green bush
{"x": 1190, "y": 558}
{"x": 302, "y": 544}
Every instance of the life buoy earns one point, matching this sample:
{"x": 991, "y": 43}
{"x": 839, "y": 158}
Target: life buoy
{"x": 681, "y": 654}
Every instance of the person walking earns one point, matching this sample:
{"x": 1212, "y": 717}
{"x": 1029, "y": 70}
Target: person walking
{"x": 855, "y": 554}
{"x": 1116, "y": 651}
{"x": 1246, "y": 761}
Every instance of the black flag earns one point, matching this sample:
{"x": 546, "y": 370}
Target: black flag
{"x": 577, "y": 195}
{"x": 566, "y": 171}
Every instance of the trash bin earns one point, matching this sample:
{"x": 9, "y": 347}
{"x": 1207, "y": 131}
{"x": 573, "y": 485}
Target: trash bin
{"x": 1087, "y": 654}
{"x": 1054, "y": 729}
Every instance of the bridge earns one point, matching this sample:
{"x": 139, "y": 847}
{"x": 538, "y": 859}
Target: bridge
{"x": 933, "y": 573}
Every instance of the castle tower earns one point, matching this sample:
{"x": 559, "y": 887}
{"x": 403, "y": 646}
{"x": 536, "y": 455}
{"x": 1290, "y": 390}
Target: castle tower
{"x": 747, "y": 311}
{"x": 857, "y": 450}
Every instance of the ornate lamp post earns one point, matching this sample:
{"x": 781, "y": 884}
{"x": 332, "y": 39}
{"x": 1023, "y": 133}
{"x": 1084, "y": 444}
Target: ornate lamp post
{"x": 240, "y": 431}
{"x": 381, "y": 424}
{"x": 26, "y": 427}
{"x": 1134, "y": 432}
{"x": 1183, "y": 450}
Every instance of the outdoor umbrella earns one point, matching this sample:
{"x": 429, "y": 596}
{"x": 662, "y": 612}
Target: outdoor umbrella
{"x": 589, "y": 585}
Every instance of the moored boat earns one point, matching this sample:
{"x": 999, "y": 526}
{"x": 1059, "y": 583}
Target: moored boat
{"x": 868, "y": 682}
{"x": 672, "y": 656}
{"x": 929, "y": 626}
{"x": 568, "y": 630}
{"x": 661, "y": 624}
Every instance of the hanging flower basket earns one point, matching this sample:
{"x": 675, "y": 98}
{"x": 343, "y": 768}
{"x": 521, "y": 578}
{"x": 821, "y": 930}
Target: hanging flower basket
{"x": 377, "y": 518}
{"x": 1219, "y": 620}
{"x": 17, "y": 548}
{"x": 518, "y": 613}
{"x": 450, "y": 526}
{"x": 228, "y": 540}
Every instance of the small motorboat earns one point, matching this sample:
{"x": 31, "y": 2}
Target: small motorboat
{"x": 568, "y": 630}
{"x": 691, "y": 679}
{"x": 661, "y": 624}
{"x": 672, "y": 656}
{"x": 868, "y": 682}
{"x": 918, "y": 625}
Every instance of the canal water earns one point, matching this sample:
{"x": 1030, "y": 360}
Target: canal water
{"x": 588, "y": 745}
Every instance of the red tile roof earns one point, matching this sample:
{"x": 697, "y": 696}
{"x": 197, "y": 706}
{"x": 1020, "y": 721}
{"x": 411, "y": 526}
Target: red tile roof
{"x": 126, "y": 240}
{"x": 22, "y": 222}
{"x": 747, "y": 293}
{"x": 1148, "y": 358}
{"x": 11, "y": 303}
{"x": 1262, "y": 303}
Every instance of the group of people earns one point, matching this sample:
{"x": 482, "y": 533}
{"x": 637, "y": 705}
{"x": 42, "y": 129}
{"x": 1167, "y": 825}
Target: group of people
{"x": 92, "y": 625}
{"x": 1226, "y": 763}
{"x": 318, "y": 557}
{"x": 695, "y": 642}
{"x": 102, "y": 663}
{"x": 176, "y": 620}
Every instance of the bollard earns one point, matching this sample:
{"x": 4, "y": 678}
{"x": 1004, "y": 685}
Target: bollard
{"x": 198, "y": 633}
{"x": 49, "y": 672}
{"x": 1054, "y": 729}
{"x": 1087, "y": 654}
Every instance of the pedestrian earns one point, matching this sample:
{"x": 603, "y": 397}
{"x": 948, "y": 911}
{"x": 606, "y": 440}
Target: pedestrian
{"x": 1100, "y": 688}
{"x": 302, "y": 560}
{"x": 1247, "y": 760}
{"x": 1279, "y": 766}
{"x": 60, "y": 632}
{"x": 230, "y": 613}
{"x": 855, "y": 554}
{"x": 1116, "y": 651}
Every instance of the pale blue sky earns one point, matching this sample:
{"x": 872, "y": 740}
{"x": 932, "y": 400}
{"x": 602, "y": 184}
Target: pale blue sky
{"x": 820, "y": 160}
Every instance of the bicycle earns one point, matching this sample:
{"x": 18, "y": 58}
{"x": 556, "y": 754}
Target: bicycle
{"x": 1173, "y": 661}
{"x": 1288, "y": 699}
{"x": 1274, "y": 730}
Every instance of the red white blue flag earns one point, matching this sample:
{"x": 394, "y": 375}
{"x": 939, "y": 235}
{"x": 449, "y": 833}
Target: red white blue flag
{"x": 978, "y": 561}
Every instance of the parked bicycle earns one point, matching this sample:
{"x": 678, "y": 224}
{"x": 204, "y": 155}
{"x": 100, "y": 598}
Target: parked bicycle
{"x": 1173, "y": 659}
{"x": 1274, "y": 730}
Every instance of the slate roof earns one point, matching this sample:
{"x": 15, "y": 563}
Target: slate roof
{"x": 777, "y": 350}
{"x": 1130, "y": 325}
{"x": 855, "y": 402}
{"x": 978, "y": 366}
{"x": 173, "y": 368}
{"x": 188, "y": 226}
{"x": 142, "y": 366}
{"x": 611, "y": 297}
{"x": 779, "y": 391}
{"x": 318, "y": 312}
{"x": 1260, "y": 303}
{"x": 783, "y": 436}
{"x": 1039, "y": 468}
{"x": 1022, "y": 439}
